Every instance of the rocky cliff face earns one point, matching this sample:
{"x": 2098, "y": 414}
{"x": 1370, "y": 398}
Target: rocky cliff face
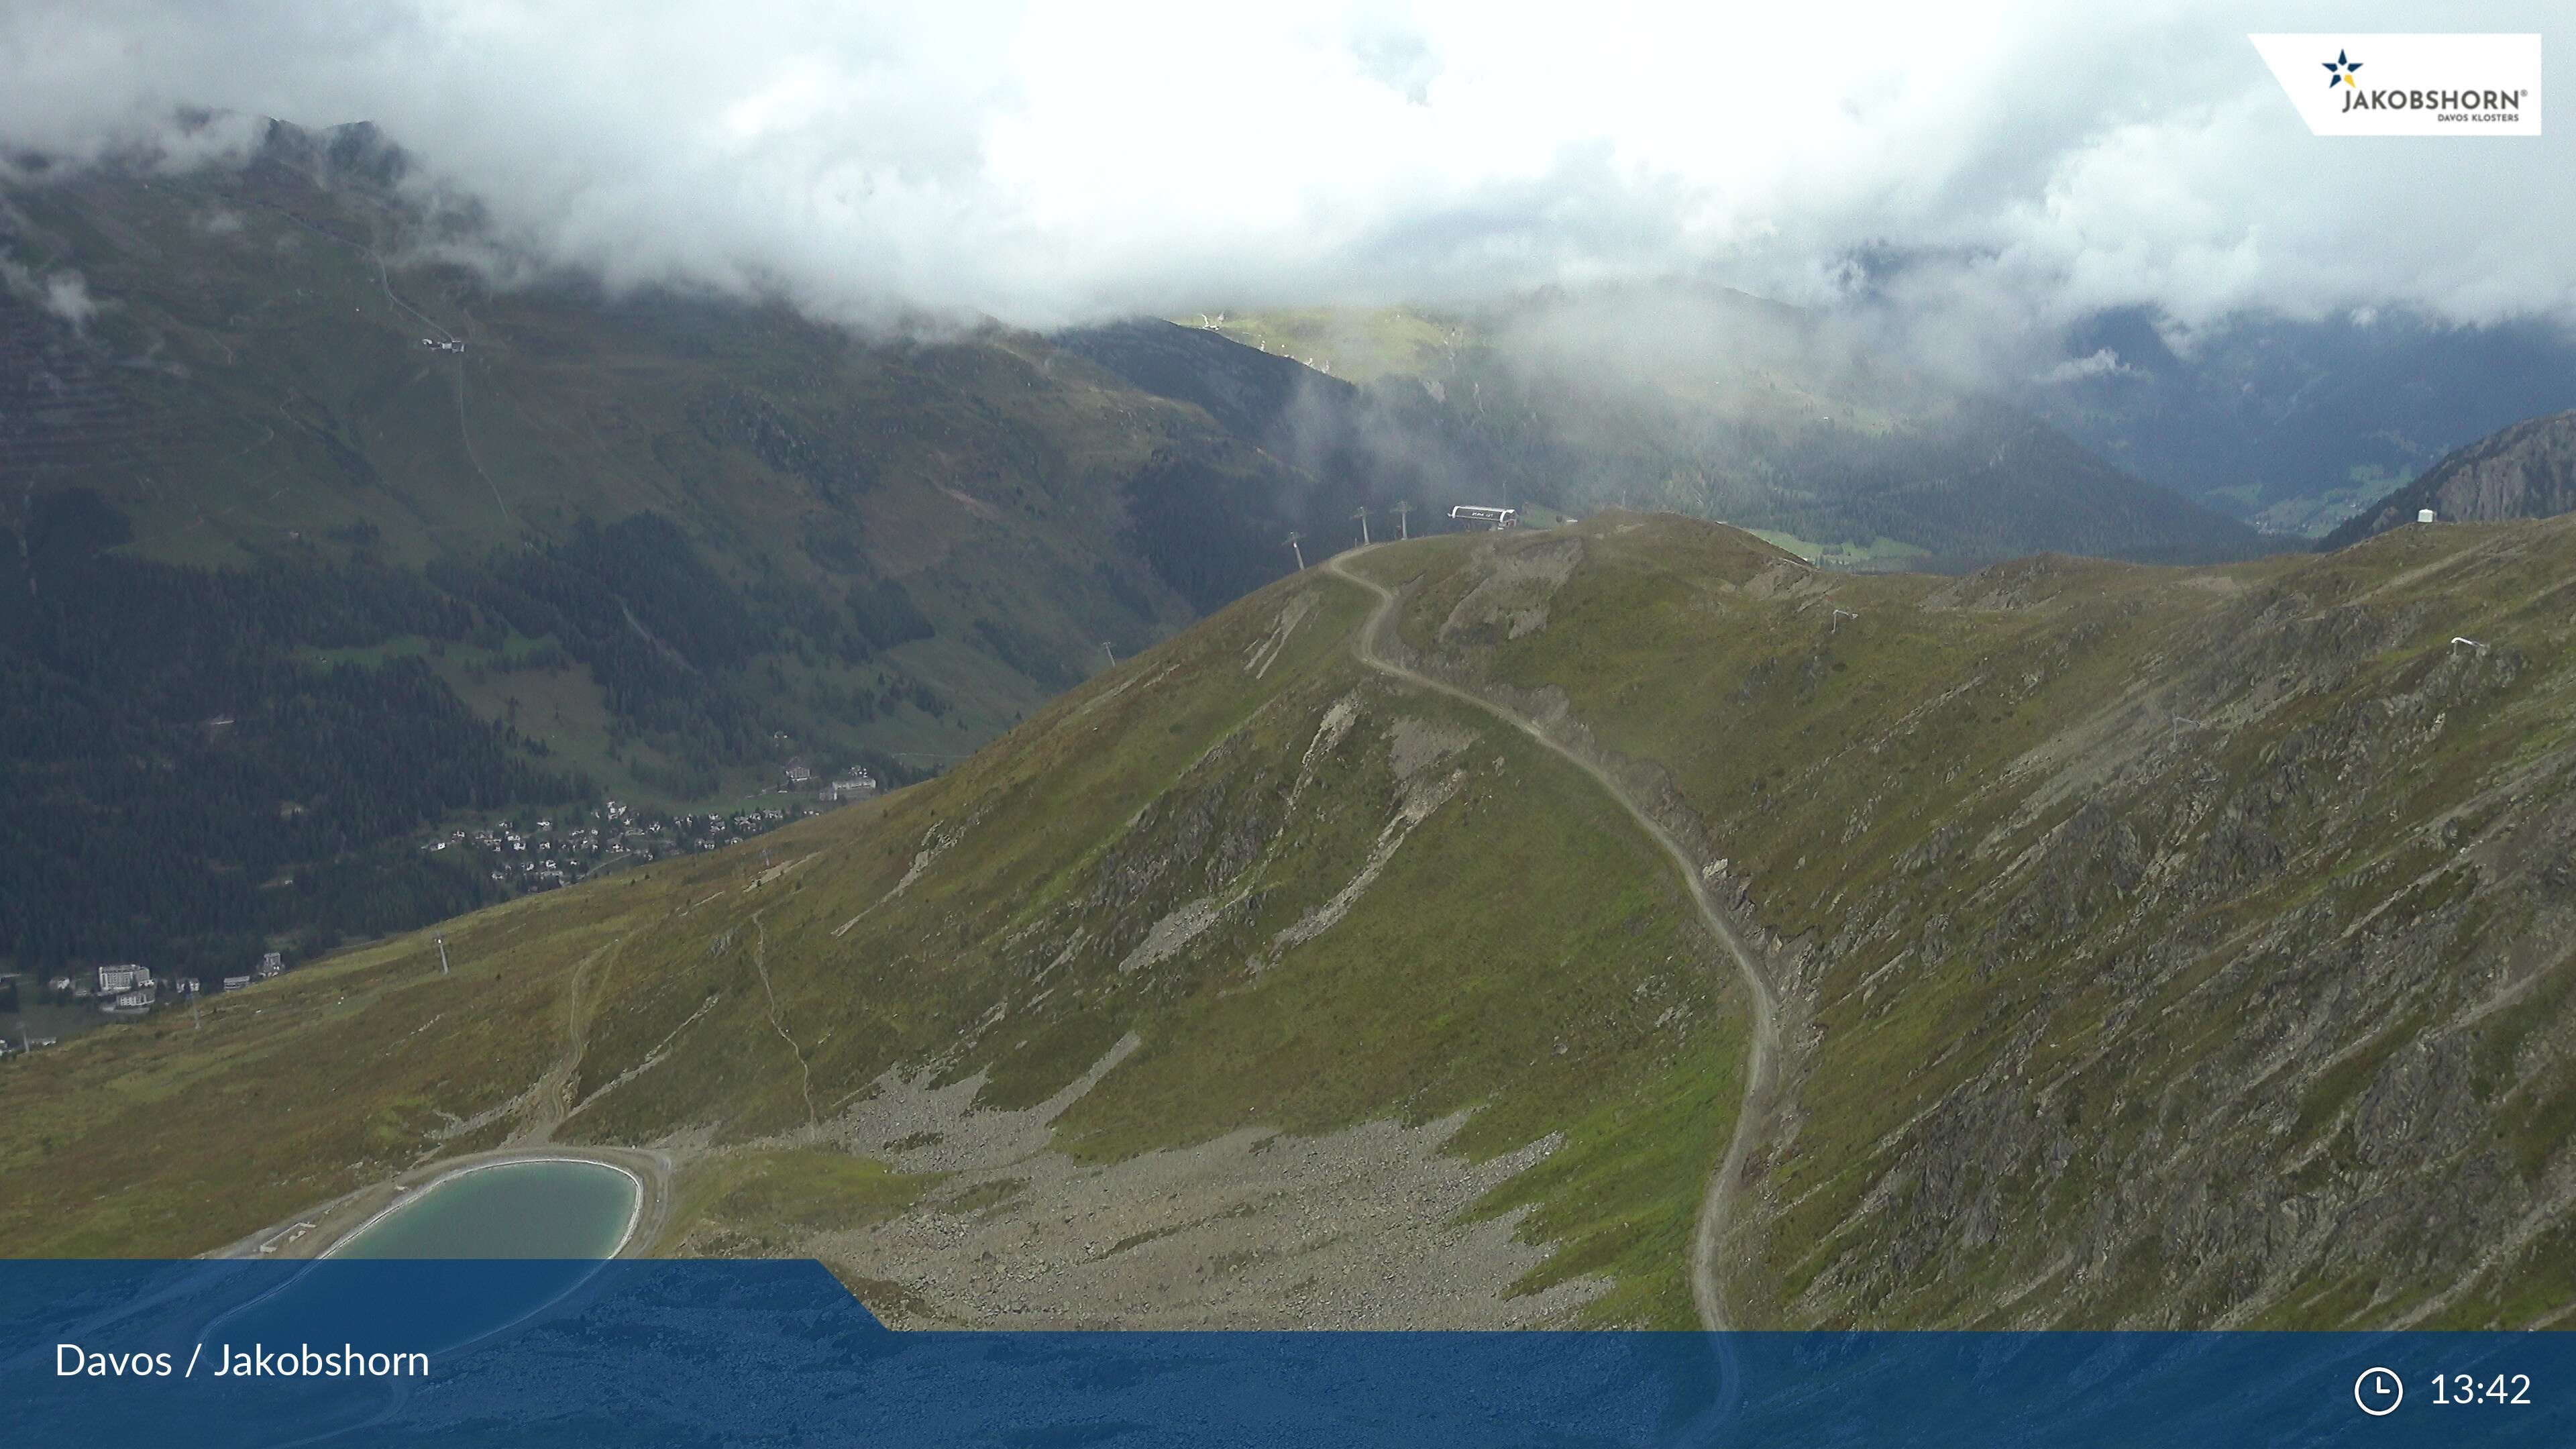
{"x": 2526, "y": 471}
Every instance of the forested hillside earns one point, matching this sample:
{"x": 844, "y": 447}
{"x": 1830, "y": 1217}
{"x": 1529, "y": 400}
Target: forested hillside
{"x": 278, "y": 443}
{"x": 440, "y": 549}
{"x": 186, "y": 776}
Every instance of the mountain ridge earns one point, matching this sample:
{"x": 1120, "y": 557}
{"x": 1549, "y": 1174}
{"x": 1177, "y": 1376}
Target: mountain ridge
{"x": 2297, "y": 425}
{"x": 461, "y": 497}
{"x": 1709, "y": 1229}
{"x": 2143, "y": 939}
{"x": 2527, "y": 470}
{"x": 1709, "y": 403}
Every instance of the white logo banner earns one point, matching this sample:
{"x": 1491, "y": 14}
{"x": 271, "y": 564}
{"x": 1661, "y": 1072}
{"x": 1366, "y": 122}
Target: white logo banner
{"x": 2409, "y": 85}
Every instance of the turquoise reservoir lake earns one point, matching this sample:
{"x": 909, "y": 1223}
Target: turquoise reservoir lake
{"x": 555, "y": 1220}
{"x": 553, "y": 1208}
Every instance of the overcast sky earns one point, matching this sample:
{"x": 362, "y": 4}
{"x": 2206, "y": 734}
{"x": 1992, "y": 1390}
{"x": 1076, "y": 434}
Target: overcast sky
{"x": 1052, "y": 163}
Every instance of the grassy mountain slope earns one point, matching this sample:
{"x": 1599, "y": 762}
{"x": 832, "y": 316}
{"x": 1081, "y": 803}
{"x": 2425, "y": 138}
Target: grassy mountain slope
{"x": 1274, "y": 870}
{"x": 2159, "y": 948}
{"x": 2524, "y": 471}
{"x": 649, "y": 546}
{"x": 255, "y": 387}
{"x": 2155, "y": 947}
{"x": 1716, "y": 404}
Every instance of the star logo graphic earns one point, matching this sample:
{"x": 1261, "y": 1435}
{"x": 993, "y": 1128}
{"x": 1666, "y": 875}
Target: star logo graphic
{"x": 2339, "y": 72}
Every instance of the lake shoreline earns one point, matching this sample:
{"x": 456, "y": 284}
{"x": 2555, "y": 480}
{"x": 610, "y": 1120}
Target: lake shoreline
{"x": 408, "y": 1200}
{"x": 321, "y": 1230}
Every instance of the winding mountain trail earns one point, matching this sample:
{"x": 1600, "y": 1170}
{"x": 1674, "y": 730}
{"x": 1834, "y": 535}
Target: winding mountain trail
{"x": 1761, "y": 1069}
{"x": 804, "y": 1068}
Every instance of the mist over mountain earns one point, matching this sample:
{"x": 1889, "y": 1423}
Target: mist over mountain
{"x": 1693, "y": 399}
{"x": 2002, "y": 171}
{"x": 274, "y": 462}
{"x": 851, "y": 610}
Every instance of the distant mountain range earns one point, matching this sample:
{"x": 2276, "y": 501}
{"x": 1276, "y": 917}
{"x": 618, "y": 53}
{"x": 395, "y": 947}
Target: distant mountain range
{"x": 2524, "y": 471}
{"x": 1694, "y": 399}
{"x": 2297, "y": 426}
{"x": 438, "y": 548}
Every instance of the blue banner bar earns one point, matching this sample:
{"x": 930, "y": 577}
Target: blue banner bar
{"x": 642, "y": 1354}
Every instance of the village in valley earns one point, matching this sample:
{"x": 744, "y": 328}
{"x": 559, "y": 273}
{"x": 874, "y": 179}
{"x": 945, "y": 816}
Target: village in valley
{"x": 520, "y": 857}
{"x": 545, "y": 855}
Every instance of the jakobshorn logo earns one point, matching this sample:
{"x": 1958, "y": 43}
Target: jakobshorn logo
{"x": 2419, "y": 85}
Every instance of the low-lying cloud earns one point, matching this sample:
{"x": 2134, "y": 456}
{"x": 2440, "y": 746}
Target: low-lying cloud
{"x": 63, "y": 293}
{"x": 2100, "y": 362}
{"x": 2017, "y": 165}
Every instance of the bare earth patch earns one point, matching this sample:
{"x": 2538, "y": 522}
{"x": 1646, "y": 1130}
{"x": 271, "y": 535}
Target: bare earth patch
{"x": 1360, "y": 1228}
{"x": 1513, "y": 596}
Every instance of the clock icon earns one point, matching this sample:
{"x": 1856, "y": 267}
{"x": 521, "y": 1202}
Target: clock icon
{"x": 2378, "y": 1391}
